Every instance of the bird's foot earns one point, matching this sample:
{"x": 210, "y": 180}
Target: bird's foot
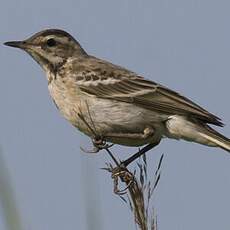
{"x": 99, "y": 144}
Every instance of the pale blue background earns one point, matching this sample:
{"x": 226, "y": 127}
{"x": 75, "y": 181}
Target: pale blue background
{"x": 183, "y": 44}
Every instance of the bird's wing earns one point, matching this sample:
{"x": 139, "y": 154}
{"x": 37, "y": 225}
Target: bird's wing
{"x": 123, "y": 85}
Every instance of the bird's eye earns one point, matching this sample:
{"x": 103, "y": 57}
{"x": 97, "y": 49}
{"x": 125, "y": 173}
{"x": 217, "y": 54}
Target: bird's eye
{"x": 51, "y": 42}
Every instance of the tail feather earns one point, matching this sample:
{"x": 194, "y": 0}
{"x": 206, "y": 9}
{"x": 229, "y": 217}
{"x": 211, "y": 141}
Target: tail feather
{"x": 180, "y": 127}
{"x": 216, "y": 138}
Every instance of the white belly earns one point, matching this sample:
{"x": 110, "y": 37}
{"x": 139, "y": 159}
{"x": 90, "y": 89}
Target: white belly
{"x": 105, "y": 116}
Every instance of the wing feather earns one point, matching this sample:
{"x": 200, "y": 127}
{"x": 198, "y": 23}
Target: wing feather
{"x": 119, "y": 84}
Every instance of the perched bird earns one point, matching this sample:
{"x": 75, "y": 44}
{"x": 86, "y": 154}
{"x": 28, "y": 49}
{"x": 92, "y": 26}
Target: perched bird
{"x": 112, "y": 104}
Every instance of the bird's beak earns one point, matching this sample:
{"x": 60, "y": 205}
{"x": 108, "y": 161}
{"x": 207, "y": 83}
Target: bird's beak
{"x": 17, "y": 44}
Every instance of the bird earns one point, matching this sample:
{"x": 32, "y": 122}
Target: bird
{"x": 112, "y": 104}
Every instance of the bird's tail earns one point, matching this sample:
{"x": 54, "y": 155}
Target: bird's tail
{"x": 179, "y": 127}
{"x": 214, "y": 138}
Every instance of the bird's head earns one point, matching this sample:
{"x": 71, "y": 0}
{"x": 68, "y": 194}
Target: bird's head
{"x": 50, "y": 48}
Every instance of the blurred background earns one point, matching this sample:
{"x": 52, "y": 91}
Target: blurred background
{"x": 46, "y": 181}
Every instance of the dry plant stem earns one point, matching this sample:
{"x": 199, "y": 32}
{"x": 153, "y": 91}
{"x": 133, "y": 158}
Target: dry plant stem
{"x": 139, "y": 189}
{"x": 134, "y": 190}
{"x": 138, "y": 203}
{"x": 113, "y": 158}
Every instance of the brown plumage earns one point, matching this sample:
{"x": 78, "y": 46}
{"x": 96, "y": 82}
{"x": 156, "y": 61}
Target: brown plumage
{"x": 106, "y": 100}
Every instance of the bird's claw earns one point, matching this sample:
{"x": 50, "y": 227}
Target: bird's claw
{"x": 99, "y": 144}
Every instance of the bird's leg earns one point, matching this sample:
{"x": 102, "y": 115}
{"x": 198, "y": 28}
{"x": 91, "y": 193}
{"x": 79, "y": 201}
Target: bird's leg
{"x": 147, "y": 133}
{"x": 142, "y": 151}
